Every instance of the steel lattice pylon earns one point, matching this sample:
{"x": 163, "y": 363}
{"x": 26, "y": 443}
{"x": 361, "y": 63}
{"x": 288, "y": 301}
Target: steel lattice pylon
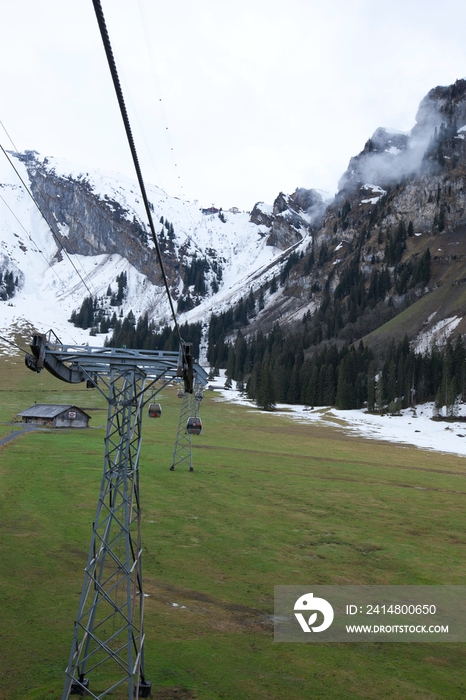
{"x": 108, "y": 639}
{"x": 182, "y": 453}
{"x": 108, "y": 631}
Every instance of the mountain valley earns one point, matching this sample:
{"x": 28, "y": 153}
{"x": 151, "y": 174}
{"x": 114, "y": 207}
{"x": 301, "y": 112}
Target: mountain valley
{"x": 383, "y": 260}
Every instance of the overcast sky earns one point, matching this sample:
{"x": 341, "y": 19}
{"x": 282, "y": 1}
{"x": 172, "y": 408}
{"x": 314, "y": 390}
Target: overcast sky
{"x": 230, "y": 102}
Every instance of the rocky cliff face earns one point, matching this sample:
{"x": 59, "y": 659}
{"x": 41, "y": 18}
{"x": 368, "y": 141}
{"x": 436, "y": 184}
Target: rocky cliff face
{"x": 403, "y": 195}
{"x": 208, "y": 255}
{"x": 419, "y": 177}
{"x": 86, "y": 223}
{"x": 291, "y": 218}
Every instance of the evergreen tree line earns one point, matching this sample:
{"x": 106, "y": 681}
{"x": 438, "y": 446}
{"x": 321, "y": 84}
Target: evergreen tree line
{"x": 293, "y": 259}
{"x": 116, "y": 298}
{"x": 224, "y": 324}
{"x": 92, "y": 315}
{"x": 168, "y": 227}
{"x": 166, "y": 235}
{"x": 144, "y": 334}
{"x": 194, "y": 276}
{"x": 93, "y": 312}
{"x": 350, "y": 312}
{"x": 275, "y": 369}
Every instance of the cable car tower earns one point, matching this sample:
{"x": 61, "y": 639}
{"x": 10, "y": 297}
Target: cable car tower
{"x": 108, "y": 639}
{"x": 189, "y": 424}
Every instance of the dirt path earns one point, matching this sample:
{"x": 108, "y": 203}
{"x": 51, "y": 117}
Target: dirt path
{"x": 15, "y": 433}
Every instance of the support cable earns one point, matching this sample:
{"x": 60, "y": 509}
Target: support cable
{"x": 167, "y": 127}
{"x": 44, "y": 217}
{"x": 145, "y": 27}
{"x": 33, "y": 241}
{"x": 10, "y": 342}
{"x": 124, "y": 114}
{"x": 6, "y": 132}
{"x": 30, "y": 237}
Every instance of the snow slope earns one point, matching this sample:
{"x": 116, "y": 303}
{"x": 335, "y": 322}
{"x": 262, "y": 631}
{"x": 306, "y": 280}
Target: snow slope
{"x": 50, "y": 286}
{"x": 412, "y": 427}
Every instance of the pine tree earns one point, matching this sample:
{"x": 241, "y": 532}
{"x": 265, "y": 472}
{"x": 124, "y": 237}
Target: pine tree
{"x": 265, "y": 398}
{"x": 452, "y": 398}
{"x": 230, "y": 371}
{"x": 371, "y": 386}
{"x": 345, "y": 397}
{"x": 379, "y": 394}
{"x": 391, "y": 381}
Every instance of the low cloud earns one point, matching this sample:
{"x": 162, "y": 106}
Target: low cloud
{"x": 389, "y": 156}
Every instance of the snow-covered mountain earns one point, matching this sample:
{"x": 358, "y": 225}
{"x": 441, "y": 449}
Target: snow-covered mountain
{"x": 67, "y": 235}
{"x": 390, "y": 244}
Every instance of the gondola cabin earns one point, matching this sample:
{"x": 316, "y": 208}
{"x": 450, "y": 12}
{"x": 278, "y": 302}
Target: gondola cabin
{"x": 194, "y": 426}
{"x": 155, "y": 410}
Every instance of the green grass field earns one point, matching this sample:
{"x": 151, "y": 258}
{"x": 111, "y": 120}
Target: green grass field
{"x": 271, "y": 502}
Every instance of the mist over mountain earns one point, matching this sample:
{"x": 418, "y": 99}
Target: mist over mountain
{"x": 385, "y": 258}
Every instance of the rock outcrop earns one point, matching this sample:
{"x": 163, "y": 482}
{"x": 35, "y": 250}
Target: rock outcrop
{"x": 85, "y": 223}
{"x": 291, "y": 217}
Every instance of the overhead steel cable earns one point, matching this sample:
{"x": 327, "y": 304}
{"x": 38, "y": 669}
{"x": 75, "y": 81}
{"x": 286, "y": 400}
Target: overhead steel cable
{"x": 167, "y": 131}
{"x": 6, "y": 132}
{"x": 33, "y": 241}
{"x": 44, "y": 217}
{"x": 124, "y": 114}
{"x": 145, "y": 27}
{"x": 10, "y": 342}
{"x": 72, "y": 251}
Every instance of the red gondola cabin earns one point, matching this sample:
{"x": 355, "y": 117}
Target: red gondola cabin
{"x": 194, "y": 426}
{"x": 155, "y": 410}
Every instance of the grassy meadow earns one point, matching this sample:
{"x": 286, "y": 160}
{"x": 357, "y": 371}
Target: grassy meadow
{"x": 270, "y": 502}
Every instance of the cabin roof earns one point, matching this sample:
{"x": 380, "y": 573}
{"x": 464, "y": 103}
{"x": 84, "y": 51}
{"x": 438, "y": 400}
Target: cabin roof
{"x": 47, "y": 410}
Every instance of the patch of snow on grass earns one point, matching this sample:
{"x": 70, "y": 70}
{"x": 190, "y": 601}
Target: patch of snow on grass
{"x": 412, "y": 427}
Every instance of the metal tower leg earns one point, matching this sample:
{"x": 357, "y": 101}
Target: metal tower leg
{"x": 182, "y": 453}
{"x": 107, "y": 647}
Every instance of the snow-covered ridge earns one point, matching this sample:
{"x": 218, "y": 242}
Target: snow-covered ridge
{"x": 50, "y": 285}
